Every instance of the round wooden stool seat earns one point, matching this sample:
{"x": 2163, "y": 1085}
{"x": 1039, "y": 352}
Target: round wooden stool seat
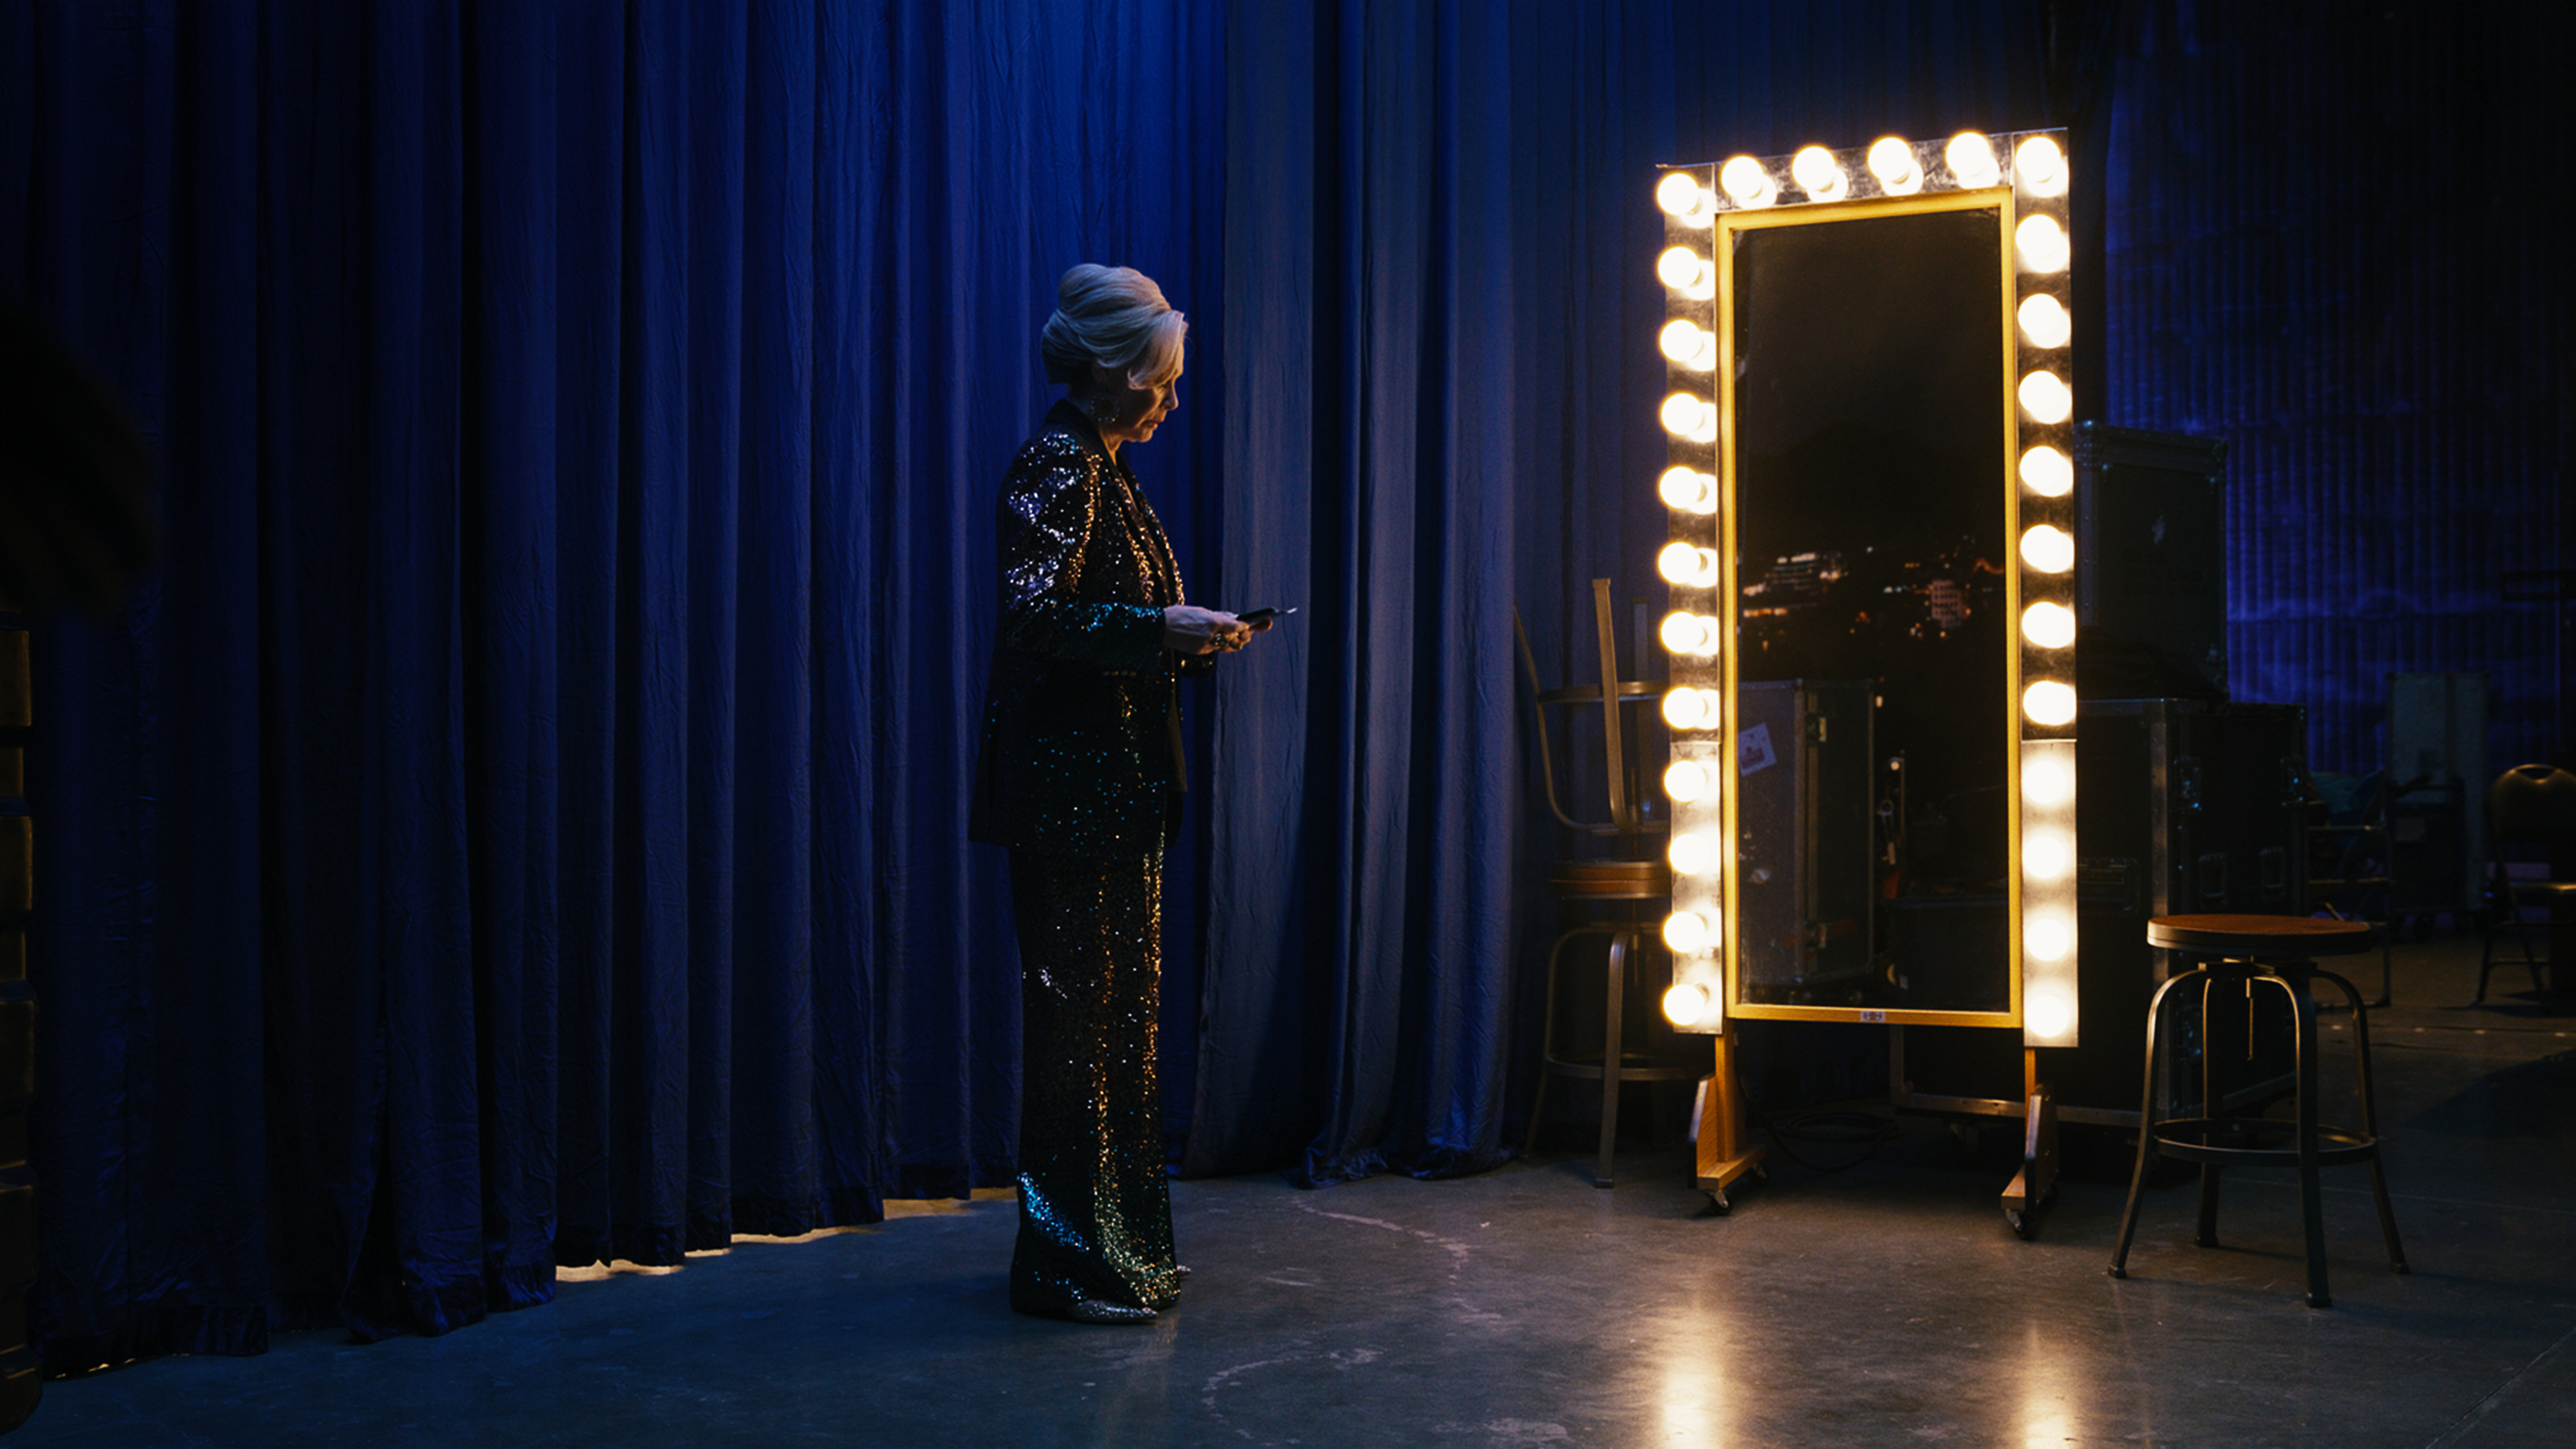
{"x": 2256, "y": 938}
{"x": 1607, "y": 880}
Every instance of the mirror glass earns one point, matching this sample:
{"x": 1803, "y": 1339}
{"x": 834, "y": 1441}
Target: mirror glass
{"x": 1871, "y": 528}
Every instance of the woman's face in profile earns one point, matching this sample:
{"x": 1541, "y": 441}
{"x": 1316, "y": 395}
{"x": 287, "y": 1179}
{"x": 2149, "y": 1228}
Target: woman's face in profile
{"x": 1157, "y": 403}
{"x": 1132, "y": 412}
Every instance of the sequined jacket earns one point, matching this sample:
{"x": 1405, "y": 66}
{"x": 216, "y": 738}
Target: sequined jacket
{"x": 1082, "y": 745}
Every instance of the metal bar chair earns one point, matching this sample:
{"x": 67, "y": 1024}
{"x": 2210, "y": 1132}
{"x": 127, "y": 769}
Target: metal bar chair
{"x": 1633, "y": 879}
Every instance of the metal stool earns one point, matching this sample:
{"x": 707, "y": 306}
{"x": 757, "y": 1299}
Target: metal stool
{"x": 1637, "y": 881}
{"x": 2278, "y": 950}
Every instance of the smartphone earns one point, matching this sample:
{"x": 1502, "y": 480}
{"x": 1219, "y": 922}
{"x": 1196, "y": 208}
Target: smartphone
{"x": 1256, "y": 616}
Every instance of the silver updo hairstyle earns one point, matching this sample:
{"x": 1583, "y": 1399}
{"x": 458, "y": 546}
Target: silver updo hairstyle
{"x": 1116, "y": 317}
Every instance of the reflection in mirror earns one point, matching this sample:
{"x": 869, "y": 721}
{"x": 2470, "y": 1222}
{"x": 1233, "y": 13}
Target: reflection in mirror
{"x": 1872, "y": 646}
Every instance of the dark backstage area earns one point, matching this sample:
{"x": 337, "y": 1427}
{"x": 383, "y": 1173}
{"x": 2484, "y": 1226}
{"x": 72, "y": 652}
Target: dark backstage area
{"x": 1802, "y": 723}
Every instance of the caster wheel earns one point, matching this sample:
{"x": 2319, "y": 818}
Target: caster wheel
{"x": 2022, "y": 1226}
{"x": 1718, "y": 1206}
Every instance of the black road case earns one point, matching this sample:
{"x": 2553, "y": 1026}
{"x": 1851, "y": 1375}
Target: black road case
{"x": 2182, "y": 806}
{"x": 1805, "y": 882}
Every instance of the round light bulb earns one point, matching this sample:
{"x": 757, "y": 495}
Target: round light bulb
{"x": 1685, "y": 414}
{"x": 1686, "y": 343}
{"x": 2048, "y": 703}
{"x": 2043, "y": 321}
{"x": 1891, "y": 160}
{"x": 1685, "y": 780}
{"x": 1690, "y": 854}
{"x": 1685, "y": 1004}
{"x": 2046, "y": 1014}
{"x": 2043, "y": 937}
{"x": 1972, "y": 160}
{"x": 1678, "y": 193}
{"x": 1818, "y": 174}
{"x": 2046, "y": 398}
{"x": 1677, "y": 563}
{"x": 1690, "y": 709}
{"x": 1699, "y": 571}
{"x": 2048, "y": 549}
{"x": 1746, "y": 183}
{"x": 2046, "y": 781}
{"x": 2040, "y": 167}
{"x": 1679, "y": 267}
{"x": 2050, "y": 626}
{"x": 2043, "y": 244}
{"x": 1688, "y": 488}
{"x": 1681, "y": 635}
{"x": 2046, "y": 472}
{"x": 1685, "y": 932}
{"x": 2044, "y": 855}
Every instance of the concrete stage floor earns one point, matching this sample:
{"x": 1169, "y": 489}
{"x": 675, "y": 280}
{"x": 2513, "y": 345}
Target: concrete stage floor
{"x": 1884, "y": 1305}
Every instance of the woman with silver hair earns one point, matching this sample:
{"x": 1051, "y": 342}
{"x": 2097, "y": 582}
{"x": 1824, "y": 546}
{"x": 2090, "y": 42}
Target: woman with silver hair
{"x": 1080, "y": 777}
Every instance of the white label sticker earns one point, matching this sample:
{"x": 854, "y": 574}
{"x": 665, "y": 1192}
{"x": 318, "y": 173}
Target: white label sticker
{"x": 1753, "y": 751}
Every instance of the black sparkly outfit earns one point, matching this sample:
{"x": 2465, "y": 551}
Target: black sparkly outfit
{"x": 1079, "y": 776}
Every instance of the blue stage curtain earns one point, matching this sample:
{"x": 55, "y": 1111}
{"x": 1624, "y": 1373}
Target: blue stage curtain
{"x": 1362, "y": 801}
{"x": 523, "y": 823}
{"x": 2329, "y": 244}
{"x": 1439, "y": 277}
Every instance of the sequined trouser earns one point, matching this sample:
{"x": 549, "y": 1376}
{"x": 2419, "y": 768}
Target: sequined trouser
{"x": 1095, "y": 1203}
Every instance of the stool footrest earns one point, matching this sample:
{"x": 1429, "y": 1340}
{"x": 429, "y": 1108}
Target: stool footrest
{"x": 2202, "y": 1139}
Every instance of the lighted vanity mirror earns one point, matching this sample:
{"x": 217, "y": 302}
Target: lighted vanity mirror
{"x": 1865, "y": 388}
{"x": 1871, "y": 568}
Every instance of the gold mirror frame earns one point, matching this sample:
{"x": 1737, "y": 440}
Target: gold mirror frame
{"x": 1730, "y": 552}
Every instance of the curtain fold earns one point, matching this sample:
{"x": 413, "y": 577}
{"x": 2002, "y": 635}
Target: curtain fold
{"x": 510, "y": 529}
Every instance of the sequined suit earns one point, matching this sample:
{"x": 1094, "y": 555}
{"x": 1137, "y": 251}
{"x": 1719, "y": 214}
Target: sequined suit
{"x": 1079, "y": 775}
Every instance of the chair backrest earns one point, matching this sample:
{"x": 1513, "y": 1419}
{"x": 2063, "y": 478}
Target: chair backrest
{"x": 1626, "y": 816}
{"x": 2533, "y": 803}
